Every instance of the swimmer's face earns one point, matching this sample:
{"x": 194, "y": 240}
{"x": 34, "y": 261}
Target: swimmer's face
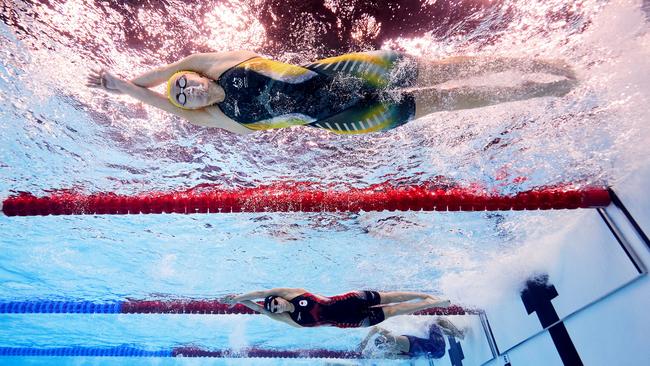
{"x": 190, "y": 90}
{"x": 279, "y": 305}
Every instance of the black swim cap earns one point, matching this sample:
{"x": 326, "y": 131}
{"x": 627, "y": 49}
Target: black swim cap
{"x": 267, "y": 302}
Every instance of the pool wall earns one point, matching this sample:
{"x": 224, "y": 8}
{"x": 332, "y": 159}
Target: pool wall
{"x": 588, "y": 303}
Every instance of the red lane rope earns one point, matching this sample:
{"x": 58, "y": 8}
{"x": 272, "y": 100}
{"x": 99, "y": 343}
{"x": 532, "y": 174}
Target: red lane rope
{"x": 301, "y": 197}
{"x": 216, "y": 307}
{"x": 167, "y": 306}
{"x": 264, "y": 353}
{"x": 182, "y": 306}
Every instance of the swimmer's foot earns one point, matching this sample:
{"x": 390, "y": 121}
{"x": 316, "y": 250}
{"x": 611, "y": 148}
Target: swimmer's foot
{"x": 555, "y": 67}
{"x": 554, "y": 89}
{"x": 450, "y": 328}
{"x": 438, "y": 302}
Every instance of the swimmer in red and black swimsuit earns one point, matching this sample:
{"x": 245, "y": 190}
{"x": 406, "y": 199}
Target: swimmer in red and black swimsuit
{"x": 300, "y": 308}
{"x": 351, "y": 310}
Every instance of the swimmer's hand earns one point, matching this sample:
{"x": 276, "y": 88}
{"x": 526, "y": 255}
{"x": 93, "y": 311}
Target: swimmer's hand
{"x": 230, "y": 300}
{"x": 103, "y": 79}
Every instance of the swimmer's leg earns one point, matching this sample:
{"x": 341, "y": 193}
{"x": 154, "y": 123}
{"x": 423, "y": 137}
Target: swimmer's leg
{"x": 432, "y": 100}
{"x": 401, "y": 296}
{"x": 431, "y": 73}
{"x": 412, "y": 307}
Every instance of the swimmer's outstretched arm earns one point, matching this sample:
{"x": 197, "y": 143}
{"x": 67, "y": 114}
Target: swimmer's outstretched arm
{"x": 284, "y": 317}
{"x": 202, "y": 63}
{"x": 105, "y": 80}
{"x": 254, "y": 306}
{"x": 374, "y": 330}
{"x": 197, "y": 62}
{"x": 108, "y": 81}
{"x": 282, "y": 292}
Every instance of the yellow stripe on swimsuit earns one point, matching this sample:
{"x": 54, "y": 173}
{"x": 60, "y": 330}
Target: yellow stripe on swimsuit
{"x": 343, "y": 94}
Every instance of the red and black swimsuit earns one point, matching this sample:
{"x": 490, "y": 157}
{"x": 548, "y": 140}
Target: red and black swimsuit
{"x": 350, "y": 310}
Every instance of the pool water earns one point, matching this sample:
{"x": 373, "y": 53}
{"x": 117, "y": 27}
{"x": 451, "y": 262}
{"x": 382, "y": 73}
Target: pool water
{"x": 55, "y": 133}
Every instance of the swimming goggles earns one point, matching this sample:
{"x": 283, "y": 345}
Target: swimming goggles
{"x": 275, "y": 309}
{"x": 181, "y": 82}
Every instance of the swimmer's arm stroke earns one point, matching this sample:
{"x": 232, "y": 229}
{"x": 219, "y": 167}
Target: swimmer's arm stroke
{"x": 391, "y": 353}
{"x": 364, "y": 342}
{"x": 373, "y": 331}
{"x": 199, "y": 117}
{"x": 280, "y": 291}
{"x": 284, "y": 317}
{"x": 202, "y": 63}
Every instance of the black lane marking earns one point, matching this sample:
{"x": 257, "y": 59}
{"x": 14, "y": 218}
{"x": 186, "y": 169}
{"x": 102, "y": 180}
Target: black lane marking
{"x": 456, "y": 355}
{"x": 537, "y": 298}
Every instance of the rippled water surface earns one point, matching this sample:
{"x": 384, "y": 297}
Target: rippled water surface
{"x": 57, "y": 134}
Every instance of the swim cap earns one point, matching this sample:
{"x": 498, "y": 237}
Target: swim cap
{"x": 381, "y": 341}
{"x": 379, "y": 347}
{"x": 172, "y": 98}
{"x": 267, "y": 302}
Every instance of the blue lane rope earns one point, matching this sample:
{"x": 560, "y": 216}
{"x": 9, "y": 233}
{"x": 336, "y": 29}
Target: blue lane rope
{"x": 120, "y": 351}
{"x": 128, "y": 351}
{"x": 52, "y": 307}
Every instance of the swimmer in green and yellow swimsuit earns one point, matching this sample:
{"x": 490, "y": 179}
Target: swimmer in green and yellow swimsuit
{"x": 356, "y": 93}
